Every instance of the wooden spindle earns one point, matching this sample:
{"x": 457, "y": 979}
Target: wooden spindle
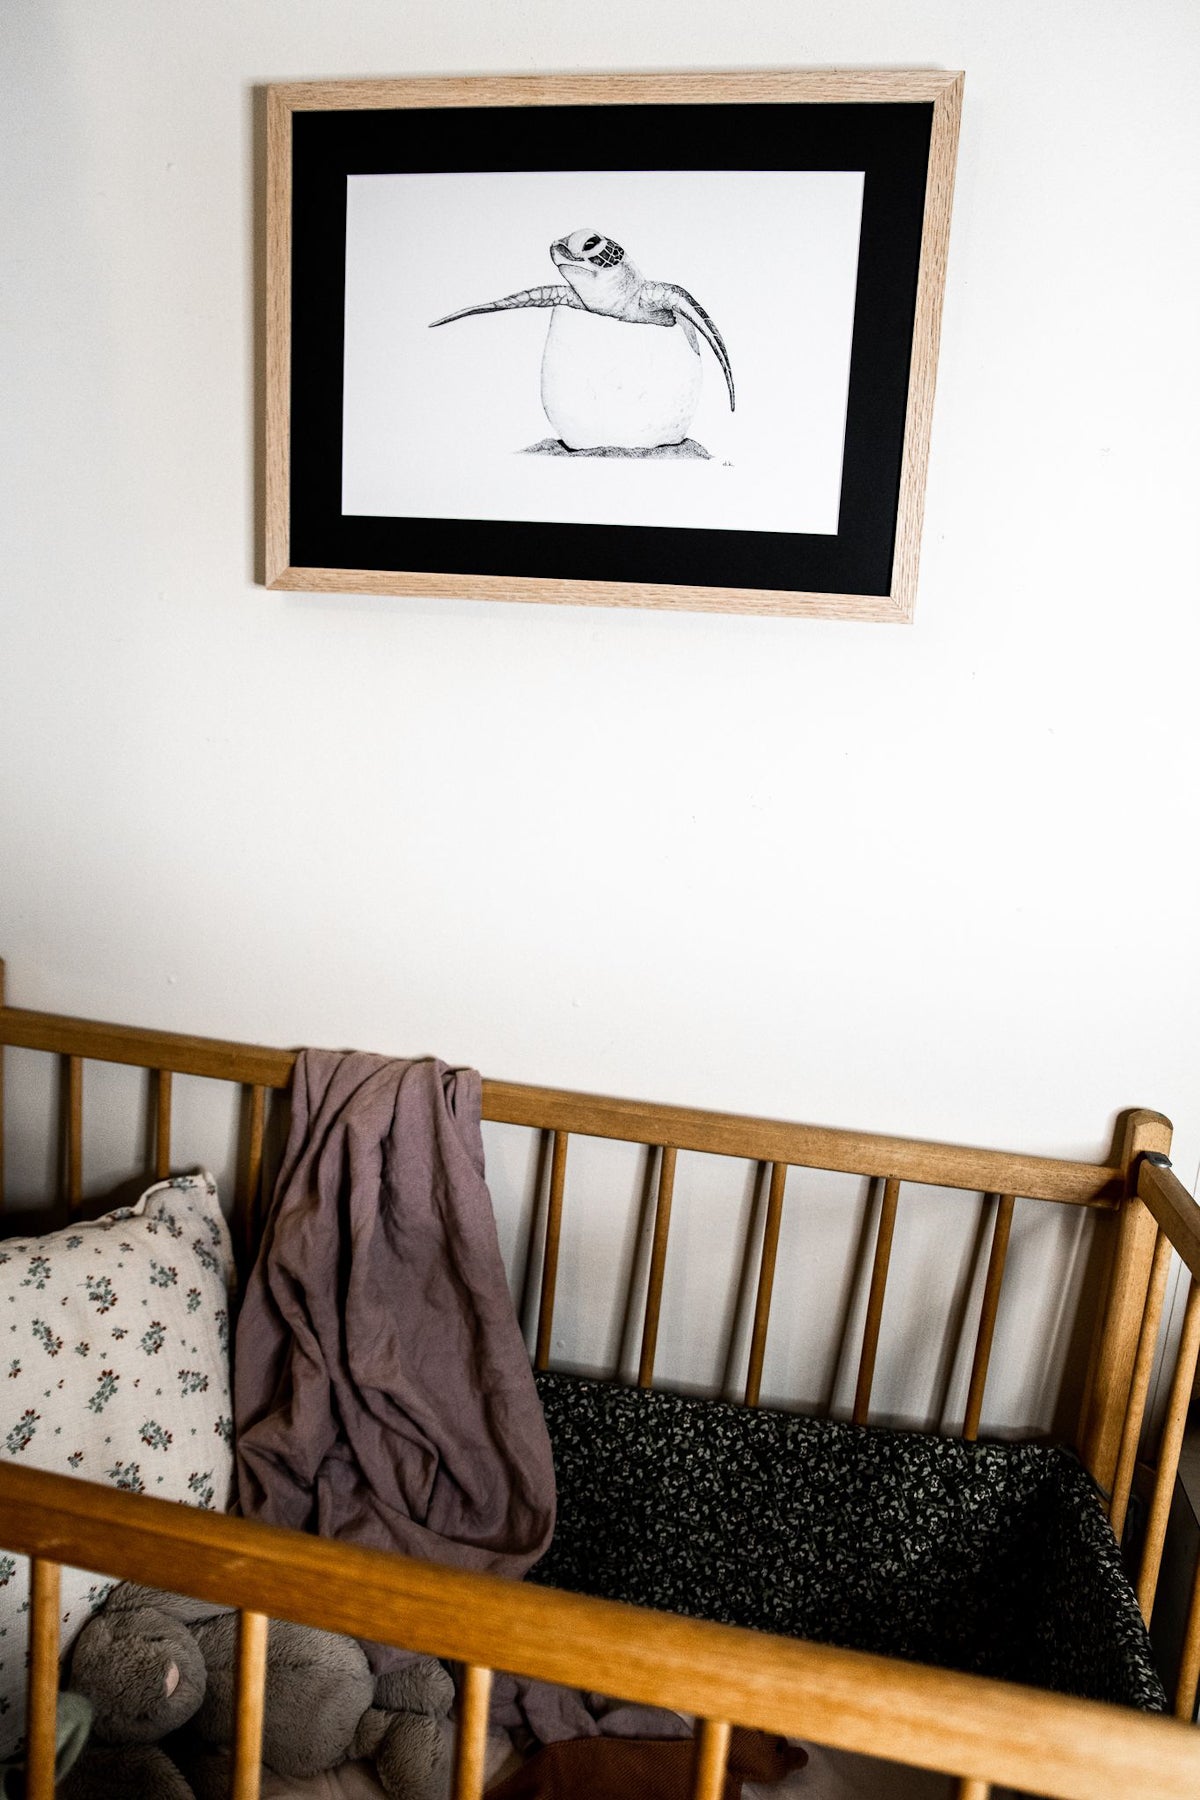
{"x": 970, "y": 1789}
{"x": 987, "y": 1316}
{"x": 766, "y": 1282}
{"x": 1131, "y": 1234}
{"x": 658, "y": 1264}
{"x": 554, "y": 1206}
{"x": 1168, "y": 1452}
{"x": 247, "y": 1203}
{"x": 470, "y": 1739}
{"x": 162, "y": 1125}
{"x": 1139, "y": 1387}
{"x": 74, "y": 1131}
{"x": 251, "y": 1676}
{"x": 879, "y": 1275}
{"x": 712, "y": 1755}
{"x": 1189, "y": 1661}
{"x": 41, "y": 1707}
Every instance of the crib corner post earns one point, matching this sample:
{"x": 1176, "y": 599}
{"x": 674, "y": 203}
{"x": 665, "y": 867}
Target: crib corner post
{"x": 1138, "y": 1132}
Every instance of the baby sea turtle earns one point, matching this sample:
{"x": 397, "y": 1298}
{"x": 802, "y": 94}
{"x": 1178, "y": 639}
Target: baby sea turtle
{"x": 600, "y": 386}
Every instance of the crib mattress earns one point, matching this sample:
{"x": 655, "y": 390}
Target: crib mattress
{"x": 991, "y": 1558}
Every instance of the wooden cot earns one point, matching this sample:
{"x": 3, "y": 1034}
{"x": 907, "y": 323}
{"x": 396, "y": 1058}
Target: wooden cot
{"x": 979, "y": 1730}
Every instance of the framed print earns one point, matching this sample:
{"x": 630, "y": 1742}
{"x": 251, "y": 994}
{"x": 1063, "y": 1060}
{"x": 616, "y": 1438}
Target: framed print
{"x": 623, "y": 340}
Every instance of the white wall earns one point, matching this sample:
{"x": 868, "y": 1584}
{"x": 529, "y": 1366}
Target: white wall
{"x": 936, "y": 879}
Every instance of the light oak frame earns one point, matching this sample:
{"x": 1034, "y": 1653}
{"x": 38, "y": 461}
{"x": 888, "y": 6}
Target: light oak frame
{"x": 940, "y": 88}
{"x": 979, "y": 1730}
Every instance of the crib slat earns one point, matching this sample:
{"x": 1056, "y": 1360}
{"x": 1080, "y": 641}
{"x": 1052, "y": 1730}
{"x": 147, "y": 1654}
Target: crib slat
{"x": 74, "y": 1192}
{"x": 658, "y": 1265}
{"x": 1186, "y": 1690}
{"x": 554, "y": 1206}
{"x": 162, "y": 1125}
{"x": 41, "y": 1715}
{"x": 470, "y": 1740}
{"x": 248, "y": 1719}
{"x": 1135, "y": 1407}
{"x": 973, "y": 1790}
{"x": 987, "y": 1316}
{"x": 766, "y": 1281}
{"x": 712, "y": 1755}
{"x": 246, "y": 1203}
{"x": 1168, "y": 1452}
{"x": 879, "y": 1275}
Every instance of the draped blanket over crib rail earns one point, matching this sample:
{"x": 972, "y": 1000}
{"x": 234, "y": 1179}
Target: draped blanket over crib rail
{"x": 383, "y": 1391}
{"x": 991, "y": 1558}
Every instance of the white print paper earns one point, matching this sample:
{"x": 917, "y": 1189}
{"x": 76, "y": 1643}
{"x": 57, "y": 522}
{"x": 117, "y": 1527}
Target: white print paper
{"x": 439, "y": 422}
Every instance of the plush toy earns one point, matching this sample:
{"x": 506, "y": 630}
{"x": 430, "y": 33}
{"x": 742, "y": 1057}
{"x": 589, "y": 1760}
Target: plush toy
{"x": 157, "y": 1666}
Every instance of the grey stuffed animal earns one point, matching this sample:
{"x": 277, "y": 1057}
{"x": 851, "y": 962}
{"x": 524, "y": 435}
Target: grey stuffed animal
{"x": 152, "y": 1663}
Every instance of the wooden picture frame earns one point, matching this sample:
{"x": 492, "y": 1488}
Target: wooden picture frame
{"x": 371, "y": 487}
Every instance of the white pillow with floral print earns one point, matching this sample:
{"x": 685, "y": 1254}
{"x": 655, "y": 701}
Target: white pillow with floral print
{"x": 114, "y": 1366}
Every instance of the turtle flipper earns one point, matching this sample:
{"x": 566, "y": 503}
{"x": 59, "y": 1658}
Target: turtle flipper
{"x": 672, "y": 303}
{"x": 538, "y": 296}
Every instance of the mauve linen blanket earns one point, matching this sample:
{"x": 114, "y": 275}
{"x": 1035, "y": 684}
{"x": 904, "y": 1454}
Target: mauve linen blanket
{"x": 383, "y": 1392}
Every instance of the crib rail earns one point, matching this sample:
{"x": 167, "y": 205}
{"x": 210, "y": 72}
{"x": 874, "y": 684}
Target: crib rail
{"x": 807, "y": 1146}
{"x": 778, "y": 1145}
{"x": 250, "y": 1064}
{"x": 979, "y": 1730}
{"x": 252, "y": 1067}
{"x": 589, "y": 1115}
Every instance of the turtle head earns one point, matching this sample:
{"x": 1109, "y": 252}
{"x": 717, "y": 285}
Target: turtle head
{"x": 596, "y": 268}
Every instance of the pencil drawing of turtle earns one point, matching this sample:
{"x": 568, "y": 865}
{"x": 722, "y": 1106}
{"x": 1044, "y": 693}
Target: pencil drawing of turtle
{"x": 607, "y": 389}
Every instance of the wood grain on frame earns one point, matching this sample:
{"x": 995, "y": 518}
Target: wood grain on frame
{"x": 941, "y": 89}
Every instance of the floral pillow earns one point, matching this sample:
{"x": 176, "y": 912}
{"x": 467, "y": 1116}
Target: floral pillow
{"x": 114, "y": 1366}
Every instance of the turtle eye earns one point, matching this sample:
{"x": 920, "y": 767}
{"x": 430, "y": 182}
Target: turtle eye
{"x": 591, "y": 243}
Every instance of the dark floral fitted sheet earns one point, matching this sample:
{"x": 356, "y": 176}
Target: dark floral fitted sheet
{"x": 991, "y": 1558}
